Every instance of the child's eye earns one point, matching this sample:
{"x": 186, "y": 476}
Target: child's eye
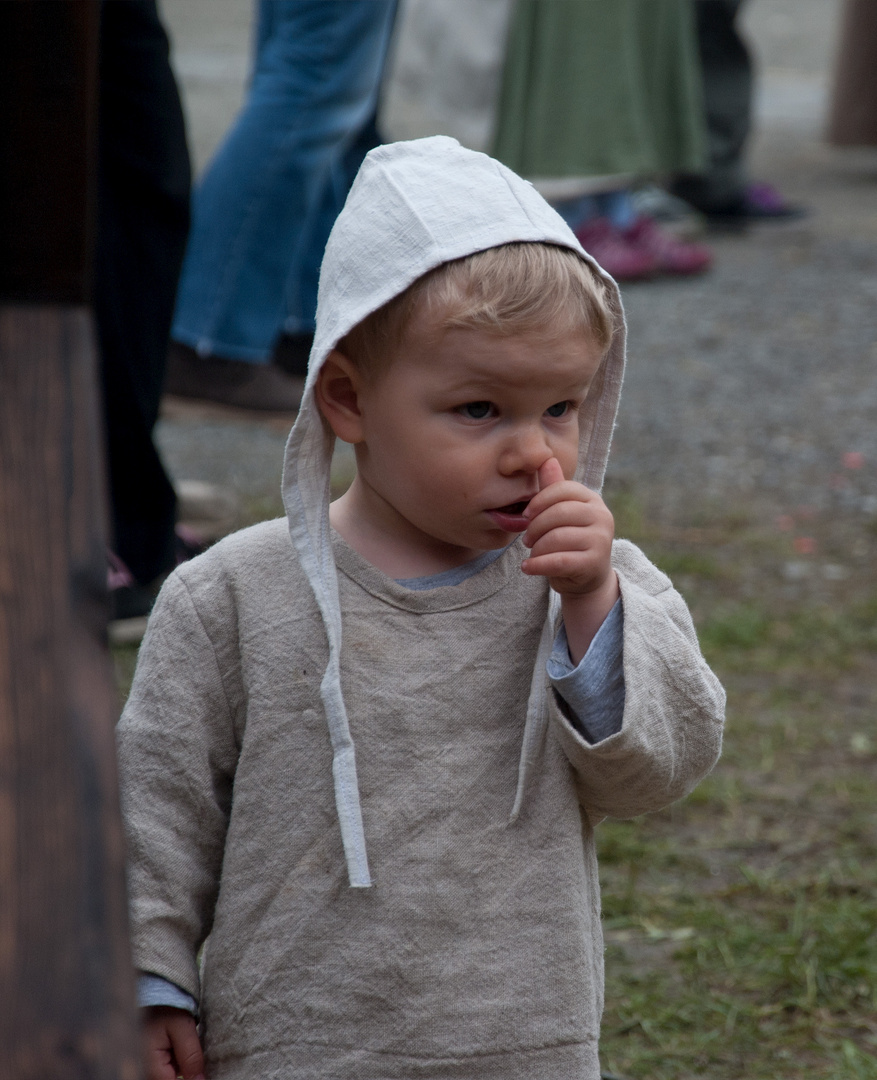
{"x": 560, "y": 409}
{"x": 476, "y": 410}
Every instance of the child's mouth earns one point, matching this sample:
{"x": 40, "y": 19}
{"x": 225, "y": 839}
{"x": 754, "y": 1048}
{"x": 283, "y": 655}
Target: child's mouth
{"x": 511, "y": 518}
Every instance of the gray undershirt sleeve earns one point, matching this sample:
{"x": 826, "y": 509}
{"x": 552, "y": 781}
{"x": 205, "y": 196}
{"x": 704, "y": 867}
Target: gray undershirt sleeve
{"x": 154, "y": 990}
{"x": 594, "y": 690}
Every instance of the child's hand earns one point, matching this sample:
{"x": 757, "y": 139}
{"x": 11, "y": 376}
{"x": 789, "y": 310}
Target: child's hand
{"x": 171, "y": 1044}
{"x": 570, "y": 540}
{"x": 569, "y": 535}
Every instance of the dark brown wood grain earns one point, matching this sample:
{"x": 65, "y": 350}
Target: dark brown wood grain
{"x": 66, "y": 984}
{"x": 852, "y": 116}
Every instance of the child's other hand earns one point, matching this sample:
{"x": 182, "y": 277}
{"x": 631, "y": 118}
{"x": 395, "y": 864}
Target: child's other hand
{"x": 172, "y": 1045}
{"x": 570, "y": 540}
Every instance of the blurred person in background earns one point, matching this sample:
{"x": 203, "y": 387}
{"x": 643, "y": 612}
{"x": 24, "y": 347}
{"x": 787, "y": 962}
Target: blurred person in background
{"x": 263, "y": 210}
{"x": 142, "y": 221}
{"x": 722, "y": 190}
{"x": 597, "y": 95}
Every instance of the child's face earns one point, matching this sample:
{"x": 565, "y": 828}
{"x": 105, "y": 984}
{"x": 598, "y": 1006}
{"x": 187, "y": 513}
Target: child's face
{"x": 455, "y": 430}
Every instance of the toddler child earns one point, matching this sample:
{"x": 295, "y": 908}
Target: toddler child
{"x": 366, "y": 746}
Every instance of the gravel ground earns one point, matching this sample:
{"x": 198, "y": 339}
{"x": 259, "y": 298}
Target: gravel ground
{"x": 746, "y": 387}
{"x": 757, "y": 379}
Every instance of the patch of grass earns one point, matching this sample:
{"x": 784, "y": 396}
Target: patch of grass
{"x": 741, "y": 926}
{"x": 124, "y": 662}
{"x": 759, "y": 634}
{"x": 743, "y": 627}
{"x": 760, "y": 971}
{"x": 261, "y": 507}
{"x": 698, "y": 564}
{"x": 627, "y": 509}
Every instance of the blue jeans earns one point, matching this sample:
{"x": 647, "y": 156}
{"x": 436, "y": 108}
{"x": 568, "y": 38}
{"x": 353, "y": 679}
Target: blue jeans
{"x": 266, "y": 204}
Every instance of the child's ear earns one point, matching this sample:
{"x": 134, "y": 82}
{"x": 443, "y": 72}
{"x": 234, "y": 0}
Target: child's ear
{"x": 337, "y": 391}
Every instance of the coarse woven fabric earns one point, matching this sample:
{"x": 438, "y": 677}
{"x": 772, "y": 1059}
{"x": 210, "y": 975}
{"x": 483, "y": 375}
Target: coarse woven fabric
{"x": 478, "y": 952}
{"x": 601, "y": 88}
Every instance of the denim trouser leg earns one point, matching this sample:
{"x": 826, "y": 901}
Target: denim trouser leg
{"x": 264, "y": 208}
{"x": 301, "y": 290}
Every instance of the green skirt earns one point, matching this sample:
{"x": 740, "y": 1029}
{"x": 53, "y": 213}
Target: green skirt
{"x": 601, "y": 88}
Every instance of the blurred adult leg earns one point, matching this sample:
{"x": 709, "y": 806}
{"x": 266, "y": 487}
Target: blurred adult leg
{"x": 292, "y": 349}
{"x": 142, "y": 221}
{"x": 260, "y": 213}
{"x": 727, "y": 90}
{"x": 724, "y": 191}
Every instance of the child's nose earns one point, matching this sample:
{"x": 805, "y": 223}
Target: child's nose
{"x": 526, "y": 450}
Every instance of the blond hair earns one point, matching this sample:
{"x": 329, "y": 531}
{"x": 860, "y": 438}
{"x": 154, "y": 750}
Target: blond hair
{"x": 519, "y": 288}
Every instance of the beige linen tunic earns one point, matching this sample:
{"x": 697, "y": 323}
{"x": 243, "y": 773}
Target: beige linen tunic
{"x": 478, "y": 952}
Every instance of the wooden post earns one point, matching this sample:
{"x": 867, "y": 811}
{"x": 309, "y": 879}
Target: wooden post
{"x": 852, "y": 116}
{"x": 66, "y": 985}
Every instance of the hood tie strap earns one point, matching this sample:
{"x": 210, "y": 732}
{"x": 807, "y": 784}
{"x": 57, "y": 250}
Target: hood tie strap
{"x": 306, "y": 476}
{"x": 537, "y": 707}
{"x": 347, "y": 802}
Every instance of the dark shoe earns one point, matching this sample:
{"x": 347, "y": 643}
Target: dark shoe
{"x": 292, "y": 352}
{"x": 757, "y": 202}
{"x": 128, "y": 599}
{"x": 265, "y": 387}
{"x": 131, "y": 602}
{"x": 762, "y": 202}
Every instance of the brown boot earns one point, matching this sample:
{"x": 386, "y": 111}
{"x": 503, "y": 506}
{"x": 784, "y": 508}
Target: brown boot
{"x": 237, "y": 383}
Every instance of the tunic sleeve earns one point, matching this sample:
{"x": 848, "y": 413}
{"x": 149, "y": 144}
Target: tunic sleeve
{"x": 671, "y": 732}
{"x": 177, "y": 755}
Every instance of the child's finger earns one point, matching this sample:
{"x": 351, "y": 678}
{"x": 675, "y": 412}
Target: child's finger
{"x": 571, "y": 500}
{"x": 573, "y": 513}
{"x": 172, "y": 1044}
{"x": 574, "y": 567}
{"x": 570, "y": 538}
{"x": 558, "y": 492}
{"x": 187, "y": 1049}
{"x": 550, "y": 473}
